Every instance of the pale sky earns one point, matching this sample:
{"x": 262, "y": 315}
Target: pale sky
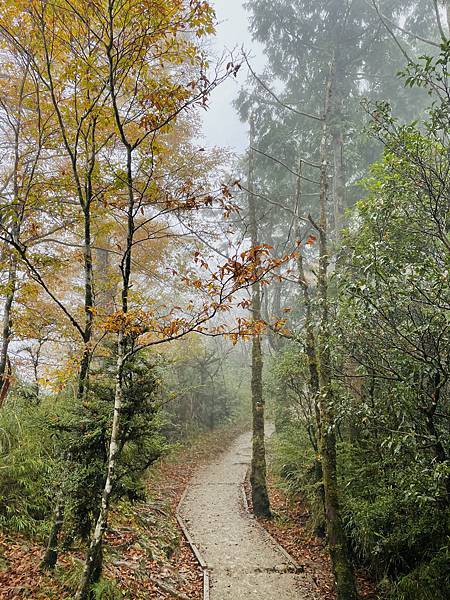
{"x": 221, "y": 124}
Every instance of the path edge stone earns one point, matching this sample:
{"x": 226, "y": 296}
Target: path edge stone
{"x": 195, "y": 550}
{"x": 298, "y": 568}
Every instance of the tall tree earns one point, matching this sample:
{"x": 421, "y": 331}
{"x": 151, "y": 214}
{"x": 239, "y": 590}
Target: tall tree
{"x": 339, "y": 551}
{"x": 260, "y": 497}
{"x": 25, "y": 131}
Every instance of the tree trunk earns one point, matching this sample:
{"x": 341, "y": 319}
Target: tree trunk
{"x": 341, "y": 563}
{"x": 93, "y": 562}
{"x": 6, "y": 329}
{"x": 51, "y": 554}
{"x": 83, "y": 374}
{"x": 338, "y": 182}
{"x": 258, "y": 476}
{"x": 92, "y": 567}
{"x": 15, "y": 234}
{"x": 260, "y": 497}
{"x": 311, "y": 350}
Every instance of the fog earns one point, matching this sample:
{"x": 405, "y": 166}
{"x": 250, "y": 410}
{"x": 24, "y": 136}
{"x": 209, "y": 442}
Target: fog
{"x": 206, "y": 238}
{"x": 221, "y": 124}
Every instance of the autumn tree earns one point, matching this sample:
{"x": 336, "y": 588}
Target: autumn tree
{"x": 25, "y": 135}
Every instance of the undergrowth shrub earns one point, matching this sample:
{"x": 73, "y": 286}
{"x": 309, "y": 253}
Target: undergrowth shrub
{"x": 294, "y": 461}
{"x": 395, "y": 522}
{"x": 84, "y": 434}
{"x": 429, "y": 581}
{"x": 26, "y": 466}
{"x": 106, "y": 589}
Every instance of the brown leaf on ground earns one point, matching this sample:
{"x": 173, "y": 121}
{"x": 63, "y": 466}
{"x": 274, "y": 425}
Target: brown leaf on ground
{"x": 289, "y": 528}
{"x": 143, "y": 546}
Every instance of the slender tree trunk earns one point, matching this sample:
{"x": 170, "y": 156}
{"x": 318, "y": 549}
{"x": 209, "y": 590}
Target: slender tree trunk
{"x": 6, "y": 328}
{"x": 83, "y": 378}
{"x": 15, "y": 234}
{"x": 311, "y": 350}
{"x": 341, "y": 563}
{"x": 437, "y": 446}
{"x": 339, "y": 182}
{"x": 51, "y": 554}
{"x": 260, "y": 497}
{"x": 258, "y": 475}
{"x": 92, "y": 566}
{"x": 93, "y": 562}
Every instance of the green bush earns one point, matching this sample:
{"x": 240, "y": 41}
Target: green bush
{"x": 84, "y": 433}
{"x": 106, "y": 589}
{"x": 295, "y": 462}
{"x": 26, "y": 466}
{"x": 429, "y": 581}
{"x": 395, "y": 522}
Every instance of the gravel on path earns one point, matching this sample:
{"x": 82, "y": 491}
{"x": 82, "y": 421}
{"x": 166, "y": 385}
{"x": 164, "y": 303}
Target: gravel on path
{"x": 244, "y": 562}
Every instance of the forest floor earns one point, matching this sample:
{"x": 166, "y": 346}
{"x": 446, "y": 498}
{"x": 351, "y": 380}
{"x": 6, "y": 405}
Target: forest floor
{"x": 145, "y": 555}
{"x": 290, "y": 528}
{"x": 243, "y": 560}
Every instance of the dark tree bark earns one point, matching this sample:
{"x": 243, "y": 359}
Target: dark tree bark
{"x": 311, "y": 350}
{"x": 50, "y": 557}
{"x": 83, "y": 178}
{"x": 6, "y": 329}
{"x": 258, "y": 475}
{"x": 340, "y": 558}
{"x": 92, "y": 565}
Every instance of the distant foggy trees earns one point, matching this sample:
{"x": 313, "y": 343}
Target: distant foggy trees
{"x": 328, "y": 65}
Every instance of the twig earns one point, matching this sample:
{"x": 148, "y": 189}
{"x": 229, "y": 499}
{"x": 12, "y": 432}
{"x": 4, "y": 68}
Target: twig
{"x": 438, "y": 20}
{"x": 276, "y": 98}
{"x": 168, "y": 589}
{"x": 287, "y": 167}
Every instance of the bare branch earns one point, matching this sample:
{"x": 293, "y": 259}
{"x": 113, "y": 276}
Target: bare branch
{"x": 277, "y": 99}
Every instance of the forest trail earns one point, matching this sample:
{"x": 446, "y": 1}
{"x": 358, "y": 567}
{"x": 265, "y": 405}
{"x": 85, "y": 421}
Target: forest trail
{"x": 243, "y": 561}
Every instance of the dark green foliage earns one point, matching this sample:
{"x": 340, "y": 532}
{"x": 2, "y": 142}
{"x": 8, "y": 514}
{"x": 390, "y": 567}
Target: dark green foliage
{"x": 203, "y": 398}
{"x": 393, "y": 326}
{"x": 296, "y": 463}
{"x": 429, "y": 581}
{"x": 58, "y": 445}
{"x": 83, "y": 435}
{"x": 389, "y": 510}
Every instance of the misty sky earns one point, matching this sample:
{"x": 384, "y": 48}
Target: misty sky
{"x": 221, "y": 123}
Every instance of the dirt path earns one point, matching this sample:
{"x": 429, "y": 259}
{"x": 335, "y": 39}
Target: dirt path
{"x": 243, "y": 561}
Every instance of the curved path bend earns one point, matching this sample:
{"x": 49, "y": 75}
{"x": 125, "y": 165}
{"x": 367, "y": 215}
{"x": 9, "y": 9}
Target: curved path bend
{"x": 243, "y": 561}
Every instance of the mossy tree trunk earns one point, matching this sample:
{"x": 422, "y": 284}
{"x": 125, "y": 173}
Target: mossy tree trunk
{"x": 5, "y": 373}
{"x": 340, "y": 558}
{"x": 311, "y": 352}
{"x": 258, "y": 475}
{"x": 51, "y": 553}
{"x": 85, "y": 198}
{"x": 93, "y": 562}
